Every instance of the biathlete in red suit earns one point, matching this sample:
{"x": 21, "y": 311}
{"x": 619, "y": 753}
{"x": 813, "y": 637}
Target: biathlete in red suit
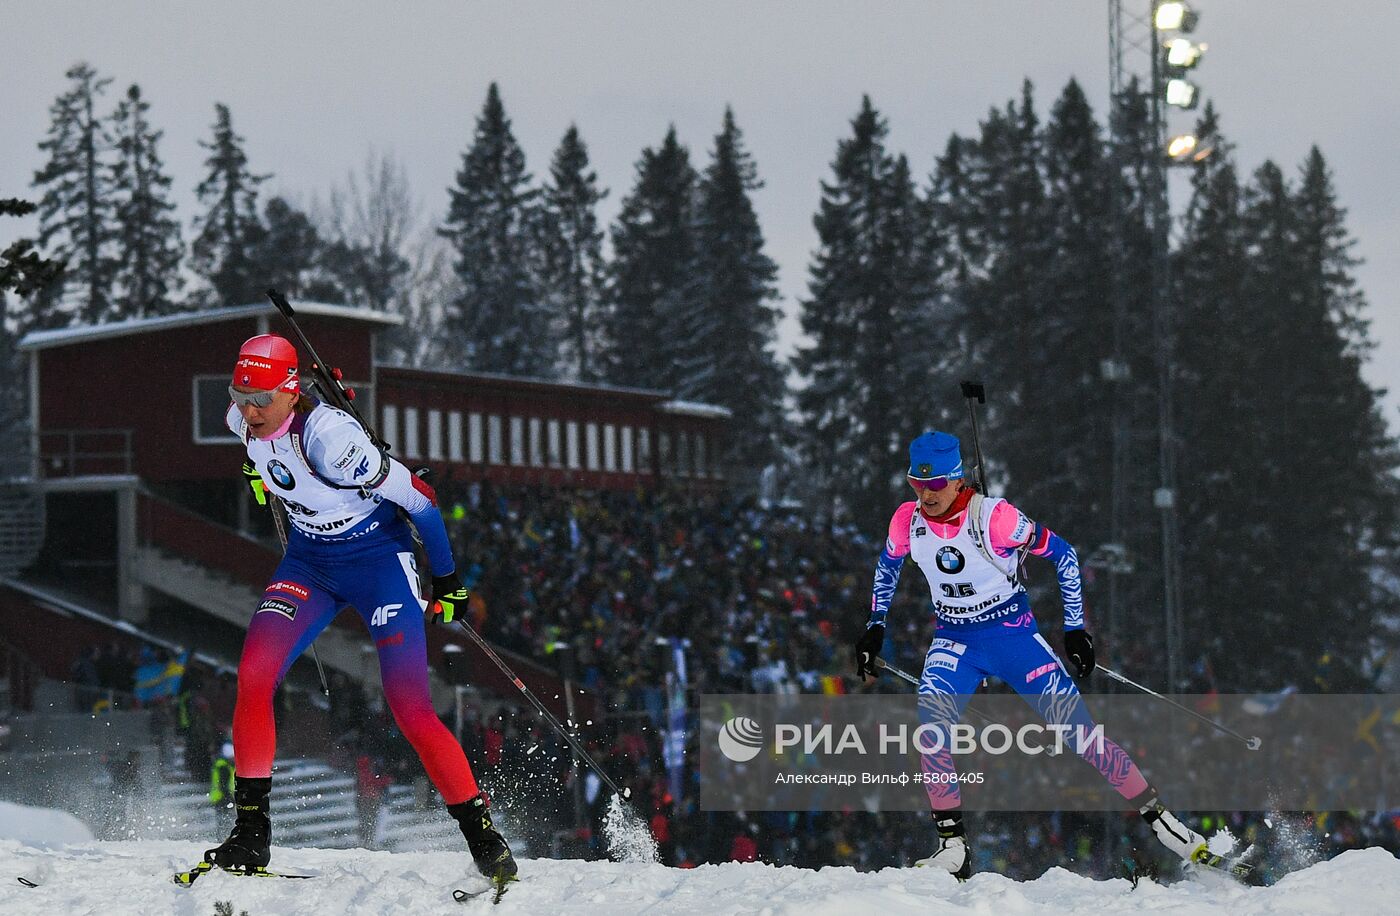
{"x": 347, "y": 544}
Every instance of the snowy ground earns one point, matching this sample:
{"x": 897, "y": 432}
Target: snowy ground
{"x": 133, "y": 878}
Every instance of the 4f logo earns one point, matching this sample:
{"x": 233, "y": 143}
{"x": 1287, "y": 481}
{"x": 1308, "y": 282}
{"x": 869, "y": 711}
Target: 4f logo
{"x": 382, "y": 615}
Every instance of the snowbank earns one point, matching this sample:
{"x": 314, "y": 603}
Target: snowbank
{"x": 122, "y": 878}
{"x": 41, "y": 826}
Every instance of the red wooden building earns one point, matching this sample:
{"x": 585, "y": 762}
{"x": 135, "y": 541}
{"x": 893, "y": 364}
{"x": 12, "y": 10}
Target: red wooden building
{"x": 147, "y": 515}
{"x": 147, "y": 398}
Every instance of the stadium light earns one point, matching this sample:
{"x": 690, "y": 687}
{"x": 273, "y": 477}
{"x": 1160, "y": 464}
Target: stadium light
{"x": 1182, "y": 94}
{"x": 1174, "y": 16}
{"x": 1183, "y": 54}
{"x": 1181, "y": 146}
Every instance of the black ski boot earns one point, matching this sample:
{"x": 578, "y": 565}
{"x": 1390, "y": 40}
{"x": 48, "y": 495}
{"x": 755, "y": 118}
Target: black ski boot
{"x": 489, "y": 849}
{"x": 249, "y": 844}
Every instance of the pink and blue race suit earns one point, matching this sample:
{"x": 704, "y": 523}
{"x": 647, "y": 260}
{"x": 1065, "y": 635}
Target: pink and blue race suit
{"x": 347, "y": 545}
{"x": 986, "y": 629}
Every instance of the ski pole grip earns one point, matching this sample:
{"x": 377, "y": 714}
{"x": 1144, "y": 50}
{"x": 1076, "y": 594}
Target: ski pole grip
{"x": 281, "y": 303}
{"x": 974, "y": 390}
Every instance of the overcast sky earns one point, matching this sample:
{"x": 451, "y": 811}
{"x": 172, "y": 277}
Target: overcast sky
{"x": 314, "y": 84}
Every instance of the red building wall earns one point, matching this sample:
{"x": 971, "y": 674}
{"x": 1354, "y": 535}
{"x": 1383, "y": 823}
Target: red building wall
{"x": 144, "y": 382}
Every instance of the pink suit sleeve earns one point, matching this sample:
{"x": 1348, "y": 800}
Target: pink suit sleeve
{"x": 1009, "y": 529}
{"x": 897, "y": 543}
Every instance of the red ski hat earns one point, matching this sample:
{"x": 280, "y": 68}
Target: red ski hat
{"x": 267, "y": 362}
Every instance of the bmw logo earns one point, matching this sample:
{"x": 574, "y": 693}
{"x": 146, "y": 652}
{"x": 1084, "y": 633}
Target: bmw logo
{"x": 950, "y": 560}
{"x": 279, "y": 473}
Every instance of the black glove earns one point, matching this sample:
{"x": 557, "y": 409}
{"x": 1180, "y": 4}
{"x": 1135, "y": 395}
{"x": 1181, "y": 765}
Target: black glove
{"x": 449, "y": 595}
{"x": 1079, "y": 649}
{"x": 867, "y": 648}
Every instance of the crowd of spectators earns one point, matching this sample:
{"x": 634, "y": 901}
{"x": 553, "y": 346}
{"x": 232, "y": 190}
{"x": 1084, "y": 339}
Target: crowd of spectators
{"x": 760, "y": 599}
{"x": 764, "y": 599}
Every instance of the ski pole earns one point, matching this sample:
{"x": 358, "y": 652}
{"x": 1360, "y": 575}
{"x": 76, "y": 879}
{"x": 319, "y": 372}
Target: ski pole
{"x": 543, "y": 710}
{"x": 1252, "y": 743}
{"x": 906, "y": 676}
{"x": 971, "y": 390}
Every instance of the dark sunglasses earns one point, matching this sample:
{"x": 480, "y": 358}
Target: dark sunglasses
{"x": 932, "y": 483}
{"x": 254, "y": 398}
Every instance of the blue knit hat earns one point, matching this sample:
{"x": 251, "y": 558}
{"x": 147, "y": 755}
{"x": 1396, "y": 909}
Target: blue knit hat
{"x": 935, "y": 454}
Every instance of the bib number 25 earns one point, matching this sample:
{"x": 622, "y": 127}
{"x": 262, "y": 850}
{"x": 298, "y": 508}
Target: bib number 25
{"x": 957, "y": 589}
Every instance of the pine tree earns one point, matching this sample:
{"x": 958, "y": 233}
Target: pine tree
{"x": 1009, "y": 243}
{"x": 498, "y": 321}
{"x": 651, "y": 288}
{"x": 290, "y": 254}
{"x": 25, "y": 272}
{"x": 75, "y": 211}
{"x": 572, "y": 271}
{"x": 229, "y": 231}
{"x": 1346, "y": 415}
{"x": 1065, "y": 408}
{"x": 149, "y": 248}
{"x": 869, "y": 290}
{"x": 730, "y": 360}
{"x": 1223, "y": 446}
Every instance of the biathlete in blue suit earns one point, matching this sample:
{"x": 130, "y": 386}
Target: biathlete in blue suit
{"x": 969, "y": 548}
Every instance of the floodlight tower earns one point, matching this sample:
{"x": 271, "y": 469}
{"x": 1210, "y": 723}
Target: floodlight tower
{"x": 1148, "y": 54}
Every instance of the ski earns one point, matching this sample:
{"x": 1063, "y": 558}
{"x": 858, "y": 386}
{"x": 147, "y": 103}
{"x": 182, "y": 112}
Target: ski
{"x": 498, "y": 887}
{"x": 1238, "y": 866}
{"x": 26, "y": 882}
{"x": 186, "y": 878}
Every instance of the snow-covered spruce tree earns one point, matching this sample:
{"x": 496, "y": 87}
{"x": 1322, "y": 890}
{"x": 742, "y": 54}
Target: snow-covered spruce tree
{"x": 870, "y": 290}
{"x": 75, "y": 209}
{"x": 651, "y": 289}
{"x": 572, "y": 273}
{"x": 729, "y": 345}
{"x": 228, "y": 232}
{"x": 148, "y": 243}
{"x": 498, "y": 322}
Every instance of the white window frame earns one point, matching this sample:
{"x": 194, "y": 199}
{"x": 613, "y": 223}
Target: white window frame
{"x": 590, "y": 446}
{"x": 517, "y": 441}
{"x": 644, "y": 450}
{"x": 435, "y": 452}
{"x": 609, "y": 447}
{"x": 555, "y": 450}
{"x": 495, "y": 439}
{"x": 572, "y": 445}
{"x": 454, "y": 436}
{"x": 476, "y": 439}
{"x": 628, "y": 463}
{"x": 536, "y": 442}
{"x": 390, "y": 423}
{"x": 410, "y": 433}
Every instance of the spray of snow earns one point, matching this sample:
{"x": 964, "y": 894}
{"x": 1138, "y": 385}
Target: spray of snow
{"x": 1293, "y": 844}
{"x": 629, "y": 837}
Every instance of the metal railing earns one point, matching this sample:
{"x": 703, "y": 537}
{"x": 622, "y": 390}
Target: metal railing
{"x": 84, "y": 452}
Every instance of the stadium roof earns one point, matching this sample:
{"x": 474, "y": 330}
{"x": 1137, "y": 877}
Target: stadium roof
{"x": 40, "y": 340}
